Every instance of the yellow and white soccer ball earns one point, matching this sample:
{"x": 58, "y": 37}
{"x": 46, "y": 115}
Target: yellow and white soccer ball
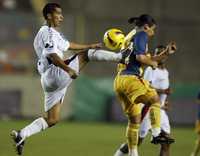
{"x": 114, "y": 39}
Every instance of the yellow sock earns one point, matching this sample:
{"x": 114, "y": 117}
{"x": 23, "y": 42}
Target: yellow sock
{"x": 154, "y": 112}
{"x": 132, "y": 135}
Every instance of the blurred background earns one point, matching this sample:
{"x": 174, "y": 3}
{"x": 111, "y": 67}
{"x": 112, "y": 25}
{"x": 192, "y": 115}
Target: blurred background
{"x": 91, "y": 98}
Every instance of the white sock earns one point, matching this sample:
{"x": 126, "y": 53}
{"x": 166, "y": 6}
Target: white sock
{"x": 35, "y": 127}
{"x": 103, "y": 55}
{"x": 133, "y": 152}
{"x": 119, "y": 153}
{"x": 155, "y": 131}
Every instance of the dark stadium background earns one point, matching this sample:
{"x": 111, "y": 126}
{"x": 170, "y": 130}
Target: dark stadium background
{"x": 91, "y": 99}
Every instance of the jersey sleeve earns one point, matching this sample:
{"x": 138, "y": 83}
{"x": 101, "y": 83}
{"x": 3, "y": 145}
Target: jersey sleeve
{"x": 148, "y": 74}
{"x": 50, "y": 42}
{"x": 140, "y": 42}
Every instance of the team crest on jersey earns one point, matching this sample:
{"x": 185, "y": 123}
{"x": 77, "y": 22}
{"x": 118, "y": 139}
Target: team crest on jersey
{"x": 48, "y": 45}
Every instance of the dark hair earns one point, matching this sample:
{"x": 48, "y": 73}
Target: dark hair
{"x": 49, "y": 8}
{"x": 159, "y": 49}
{"x": 142, "y": 20}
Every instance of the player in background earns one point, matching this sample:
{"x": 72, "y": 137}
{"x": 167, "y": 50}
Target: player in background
{"x": 196, "y": 150}
{"x": 159, "y": 79}
{"x": 57, "y": 74}
{"x": 132, "y": 89}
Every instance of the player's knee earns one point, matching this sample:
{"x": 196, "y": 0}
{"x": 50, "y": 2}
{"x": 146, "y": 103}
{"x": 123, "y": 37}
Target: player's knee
{"x": 154, "y": 99}
{"x": 52, "y": 121}
{"x": 84, "y": 55}
{"x": 155, "y": 102}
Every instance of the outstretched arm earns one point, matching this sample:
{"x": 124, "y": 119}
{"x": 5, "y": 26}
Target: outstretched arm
{"x": 76, "y": 46}
{"x": 57, "y": 61}
{"x": 146, "y": 60}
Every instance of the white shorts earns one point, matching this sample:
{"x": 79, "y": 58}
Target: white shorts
{"x": 146, "y": 124}
{"x": 55, "y": 82}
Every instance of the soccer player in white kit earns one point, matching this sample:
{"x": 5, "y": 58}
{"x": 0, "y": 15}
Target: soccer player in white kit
{"x": 57, "y": 74}
{"x": 159, "y": 79}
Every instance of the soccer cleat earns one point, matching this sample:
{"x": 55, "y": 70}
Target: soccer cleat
{"x": 124, "y": 148}
{"x": 170, "y": 140}
{"x": 162, "y": 139}
{"x": 18, "y": 141}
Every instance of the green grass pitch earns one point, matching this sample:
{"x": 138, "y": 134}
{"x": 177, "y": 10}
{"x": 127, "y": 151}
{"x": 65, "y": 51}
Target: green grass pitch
{"x": 86, "y": 139}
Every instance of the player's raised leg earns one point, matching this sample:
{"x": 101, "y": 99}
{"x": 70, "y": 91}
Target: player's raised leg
{"x": 104, "y": 55}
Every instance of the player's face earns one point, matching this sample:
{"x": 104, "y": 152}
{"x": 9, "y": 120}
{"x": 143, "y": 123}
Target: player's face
{"x": 57, "y": 17}
{"x": 150, "y": 30}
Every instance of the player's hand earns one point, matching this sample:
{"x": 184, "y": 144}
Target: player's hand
{"x": 171, "y": 47}
{"x": 96, "y": 46}
{"x": 72, "y": 73}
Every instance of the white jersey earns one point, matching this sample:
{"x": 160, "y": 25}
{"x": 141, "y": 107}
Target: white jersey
{"x": 159, "y": 79}
{"x": 54, "y": 80}
{"x": 47, "y": 41}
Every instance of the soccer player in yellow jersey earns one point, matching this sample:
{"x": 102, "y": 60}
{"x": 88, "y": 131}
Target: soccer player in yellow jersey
{"x": 159, "y": 79}
{"x": 132, "y": 89}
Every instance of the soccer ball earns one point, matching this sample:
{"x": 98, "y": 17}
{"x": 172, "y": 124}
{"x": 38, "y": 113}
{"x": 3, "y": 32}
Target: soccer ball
{"x": 113, "y": 39}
